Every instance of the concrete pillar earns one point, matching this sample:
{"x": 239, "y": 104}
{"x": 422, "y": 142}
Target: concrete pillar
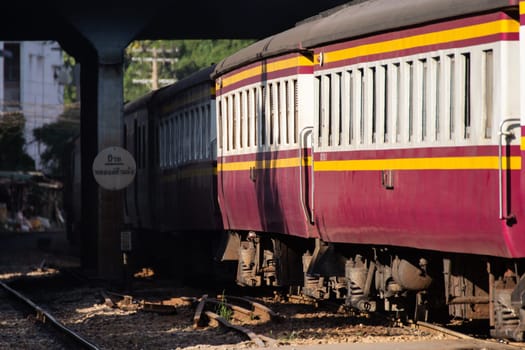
{"x": 102, "y": 127}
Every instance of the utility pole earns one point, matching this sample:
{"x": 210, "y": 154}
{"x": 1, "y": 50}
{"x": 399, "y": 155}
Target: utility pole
{"x": 154, "y": 59}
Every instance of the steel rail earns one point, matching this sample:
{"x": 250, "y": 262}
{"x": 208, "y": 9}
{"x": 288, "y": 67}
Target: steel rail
{"x": 43, "y": 315}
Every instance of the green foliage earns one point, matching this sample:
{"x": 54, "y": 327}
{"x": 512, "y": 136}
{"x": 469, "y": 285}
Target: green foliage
{"x": 56, "y": 136}
{"x": 13, "y": 155}
{"x": 186, "y": 57}
{"x": 223, "y": 309}
{"x": 70, "y": 90}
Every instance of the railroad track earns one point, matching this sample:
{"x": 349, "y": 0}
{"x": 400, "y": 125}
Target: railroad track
{"x": 55, "y": 328}
{"x": 488, "y": 343}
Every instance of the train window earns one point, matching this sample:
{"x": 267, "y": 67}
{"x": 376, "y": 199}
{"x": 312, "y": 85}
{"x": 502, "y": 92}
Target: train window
{"x": 361, "y": 108}
{"x": 250, "y": 106}
{"x": 195, "y": 134}
{"x": 144, "y": 144}
{"x": 318, "y": 107}
{"x": 466, "y": 95}
{"x": 325, "y": 110}
{"x": 170, "y": 142}
{"x": 373, "y": 102}
{"x": 219, "y": 113}
{"x": 410, "y": 66}
{"x": 228, "y": 131}
{"x": 437, "y": 87}
{"x": 257, "y": 113}
{"x": 452, "y": 81}
{"x": 203, "y": 135}
{"x": 288, "y": 105}
{"x": 336, "y": 109}
{"x": 295, "y": 110}
{"x": 271, "y": 109}
{"x": 209, "y": 137}
{"x": 235, "y": 123}
{"x": 187, "y": 134}
{"x": 262, "y": 109}
{"x": 283, "y": 112}
{"x": 385, "y": 99}
{"x": 424, "y": 89}
{"x": 397, "y": 98}
{"x": 162, "y": 137}
{"x": 350, "y": 108}
{"x": 240, "y": 116}
{"x": 488, "y": 91}
{"x": 135, "y": 140}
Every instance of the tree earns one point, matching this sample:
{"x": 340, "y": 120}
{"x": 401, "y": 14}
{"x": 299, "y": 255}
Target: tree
{"x": 12, "y": 141}
{"x": 176, "y": 59}
{"x": 56, "y": 137}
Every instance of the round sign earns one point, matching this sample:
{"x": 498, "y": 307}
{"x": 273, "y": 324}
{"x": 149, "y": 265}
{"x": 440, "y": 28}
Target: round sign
{"x": 114, "y": 168}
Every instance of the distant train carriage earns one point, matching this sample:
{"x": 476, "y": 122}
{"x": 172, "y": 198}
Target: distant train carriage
{"x": 389, "y": 132}
{"x": 138, "y": 128}
{"x": 187, "y": 187}
{"x": 172, "y": 203}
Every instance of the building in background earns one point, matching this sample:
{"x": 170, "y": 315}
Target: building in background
{"x": 32, "y": 80}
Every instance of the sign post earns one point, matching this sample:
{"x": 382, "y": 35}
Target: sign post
{"x": 114, "y": 168}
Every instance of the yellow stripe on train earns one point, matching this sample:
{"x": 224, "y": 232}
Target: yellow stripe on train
{"x": 441, "y": 163}
{"x": 270, "y": 67}
{"x": 435, "y": 38}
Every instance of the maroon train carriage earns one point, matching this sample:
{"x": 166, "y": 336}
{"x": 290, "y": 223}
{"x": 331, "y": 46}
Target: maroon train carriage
{"x": 376, "y": 147}
{"x": 138, "y": 208}
{"x": 172, "y": 203}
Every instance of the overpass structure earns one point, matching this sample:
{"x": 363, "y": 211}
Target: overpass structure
{"x": 96, "y": 33}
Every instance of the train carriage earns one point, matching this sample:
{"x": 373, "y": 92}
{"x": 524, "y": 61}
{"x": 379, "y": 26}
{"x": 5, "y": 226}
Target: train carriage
{"x": 137, "y": 136}
{"x": 387, "y": 136}
{"x": 184, "y": 117}
{"x": 172, "y": 205}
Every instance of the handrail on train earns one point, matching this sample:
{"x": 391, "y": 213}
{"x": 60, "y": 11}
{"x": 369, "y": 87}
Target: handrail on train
{"x": 302, "y": 193}
{"x": 500, "y": 161}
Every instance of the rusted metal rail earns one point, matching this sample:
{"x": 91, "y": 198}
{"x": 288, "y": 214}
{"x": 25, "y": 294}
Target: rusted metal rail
{"x": 44, "y": 317}
{"x": 256, "y": 312}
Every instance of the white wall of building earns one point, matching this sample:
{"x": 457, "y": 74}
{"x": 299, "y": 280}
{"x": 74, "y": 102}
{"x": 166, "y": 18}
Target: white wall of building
{"x": 41, "y": 95}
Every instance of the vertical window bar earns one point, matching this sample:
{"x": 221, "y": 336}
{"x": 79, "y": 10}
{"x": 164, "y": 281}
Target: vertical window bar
{"x": 339, "y": 108}
{"x": 410, "y": 100}
{"x": 263, "y": 114}
{"x": 361, "y": 105}
{"x": 452, "y": 78}
{"x": 318, "y": 100}
{"x": 271, "y": 110}
{"x": 234, "y": 121}
{"x": 466, "y": 59}
{"x": 329, "y": 115}
{"x": 241, "y": 118}
{"x": 219, "y": 107}
{"x": 488, "y": 91}
{"x": 397, "y": 68}
{"x": 424, "y": 82}
{"x": 350, "y": 107}
{"x": 295, "y": 109}
{"x": 227, "y": 129}
{"x": 386, "y": 91}
{"x": 437, "y": 79}
{"x": 374, "y": 103}
{"x": 249, "y": 118}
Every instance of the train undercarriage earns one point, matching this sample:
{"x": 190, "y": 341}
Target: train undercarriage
{"x": 416, "y": 284}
